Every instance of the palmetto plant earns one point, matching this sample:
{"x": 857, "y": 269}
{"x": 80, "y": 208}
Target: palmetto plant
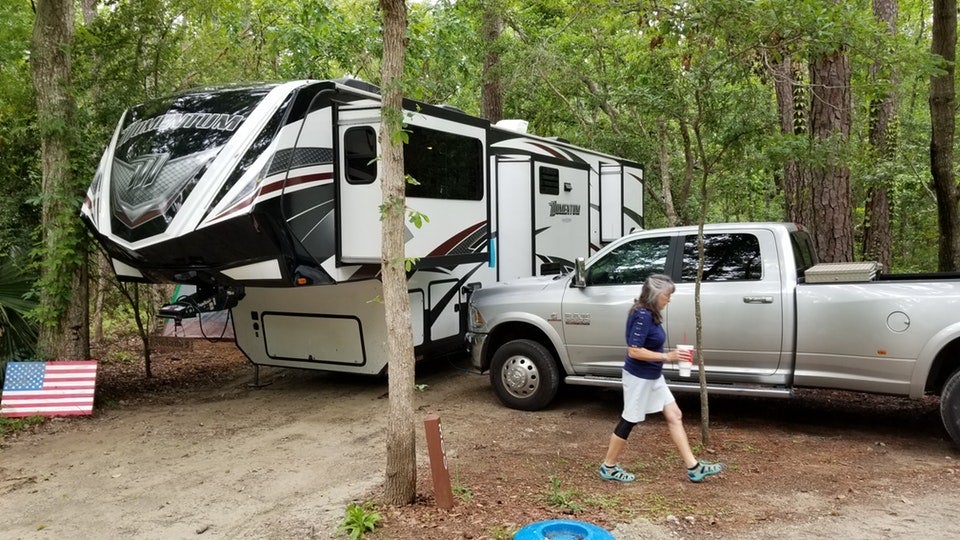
{"x": 18, "y": 333}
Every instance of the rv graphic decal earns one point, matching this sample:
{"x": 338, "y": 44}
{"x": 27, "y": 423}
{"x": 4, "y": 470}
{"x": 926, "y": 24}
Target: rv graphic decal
{"x": 562, "y": 209}
{"x": 150, "y": 184}
{"x": 171, "y": 121}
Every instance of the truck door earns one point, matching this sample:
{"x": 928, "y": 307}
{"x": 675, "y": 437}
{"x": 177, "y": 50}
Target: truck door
{"x": 741, "y": 304}
{"x": 594, "y": 317}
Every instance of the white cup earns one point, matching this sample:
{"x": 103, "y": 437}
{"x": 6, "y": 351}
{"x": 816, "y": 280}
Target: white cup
{"x": 685, "y": 365}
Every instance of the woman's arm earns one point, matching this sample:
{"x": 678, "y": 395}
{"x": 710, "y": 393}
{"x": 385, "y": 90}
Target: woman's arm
{"x": 646, "y": 355}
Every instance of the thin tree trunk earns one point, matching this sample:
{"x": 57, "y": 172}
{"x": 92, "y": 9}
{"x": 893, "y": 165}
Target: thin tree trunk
{"x": 942, "y": 121}
{"x": 101, "y": 280}
{"x": 401, "y": 477}
{"x": 64, "y": 290}
{"x": 883, "y": 136}
{"x": 491, "y": 96}
{"x": 664, "y": 158}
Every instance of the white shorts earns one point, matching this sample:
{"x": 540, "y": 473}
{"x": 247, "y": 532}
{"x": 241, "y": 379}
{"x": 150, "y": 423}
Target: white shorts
{"x": 644, "y": 396}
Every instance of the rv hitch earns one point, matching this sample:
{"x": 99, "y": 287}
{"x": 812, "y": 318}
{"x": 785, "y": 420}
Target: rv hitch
{"x": 205, "y": 300}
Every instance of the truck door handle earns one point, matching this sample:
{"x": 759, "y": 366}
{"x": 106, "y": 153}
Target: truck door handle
{"x": 757, "y": 299}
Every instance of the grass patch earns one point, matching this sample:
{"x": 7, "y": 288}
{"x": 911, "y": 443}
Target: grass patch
{"x": 13, "y": 425}
{"x": 501, "y": 532}
{"x": 565, "y": 500}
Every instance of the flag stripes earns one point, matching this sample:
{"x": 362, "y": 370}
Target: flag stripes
{"x": 58, "y": 388}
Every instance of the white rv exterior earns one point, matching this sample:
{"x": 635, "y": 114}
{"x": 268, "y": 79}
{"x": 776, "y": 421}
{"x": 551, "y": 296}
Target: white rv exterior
{"x": 267, "y": 199}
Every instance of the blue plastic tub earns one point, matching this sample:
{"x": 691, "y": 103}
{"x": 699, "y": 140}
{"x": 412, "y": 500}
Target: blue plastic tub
{"x": 562, "y": 529}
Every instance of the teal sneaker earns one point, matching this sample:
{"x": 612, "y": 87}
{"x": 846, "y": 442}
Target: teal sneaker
{"x": 702, "y": 470}
{"x": 615, "y": 473}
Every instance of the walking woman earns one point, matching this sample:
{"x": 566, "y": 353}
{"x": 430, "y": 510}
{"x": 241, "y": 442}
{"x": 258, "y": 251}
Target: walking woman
{"x": 644, "y": 388}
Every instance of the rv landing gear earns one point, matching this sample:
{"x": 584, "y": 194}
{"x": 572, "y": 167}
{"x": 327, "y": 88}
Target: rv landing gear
{"x": 256, "y": 378}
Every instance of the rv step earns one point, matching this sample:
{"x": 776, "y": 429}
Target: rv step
{"x": 715, "y": 389}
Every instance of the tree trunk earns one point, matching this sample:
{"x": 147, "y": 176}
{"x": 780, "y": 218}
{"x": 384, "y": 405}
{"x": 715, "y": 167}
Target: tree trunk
{"x": 942, "y": 123}
{"x": 883, "y": 136}
{"x": 829, "y": 183}
{"x": 491, "y": 96}
{"x": 401, "y": 477}
{"x": 790, "y": 109}
{"x": 64, "y": 287}
{"x": 663, "y": 155}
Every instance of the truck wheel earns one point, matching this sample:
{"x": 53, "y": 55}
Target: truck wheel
{"x": 950, "y": 406}
{"x": 524, "y": 375}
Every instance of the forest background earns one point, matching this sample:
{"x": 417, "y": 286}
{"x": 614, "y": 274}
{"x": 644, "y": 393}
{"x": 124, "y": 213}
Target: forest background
{"x": 835, "y": 114}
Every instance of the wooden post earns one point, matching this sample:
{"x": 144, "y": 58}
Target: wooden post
{"x": 438, "y": 462}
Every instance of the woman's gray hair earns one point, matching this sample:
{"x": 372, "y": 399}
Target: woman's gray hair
{"x": 653, "y": 287}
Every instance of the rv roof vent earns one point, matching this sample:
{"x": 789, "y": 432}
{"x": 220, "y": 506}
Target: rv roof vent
{"x": 558, "y": 139}
{"x": 513, "y": 125}
{"x": 358, "y": 84}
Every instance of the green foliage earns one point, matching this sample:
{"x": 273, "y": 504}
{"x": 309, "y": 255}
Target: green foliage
{"x": 13, "y": 425}
{"x": 463, "y": 492}
{"x": 359, "y": 520}
{"x": 501, "y": 532}
{"x": 18, "y": 332}
{"x": 566, "y": 500}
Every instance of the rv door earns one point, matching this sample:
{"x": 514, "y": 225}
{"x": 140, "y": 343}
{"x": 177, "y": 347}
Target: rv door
{"x": 359, "y": 198}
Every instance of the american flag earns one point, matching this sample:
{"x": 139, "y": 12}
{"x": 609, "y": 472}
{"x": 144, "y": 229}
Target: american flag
{"x": 59, "y": 388}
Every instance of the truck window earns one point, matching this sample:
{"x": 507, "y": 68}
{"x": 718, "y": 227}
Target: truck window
{"x": 727, "y": 257}
{"x": 445, "y": 165}
{"x": 804, "y": 255}
{"x": 630, "y": 263}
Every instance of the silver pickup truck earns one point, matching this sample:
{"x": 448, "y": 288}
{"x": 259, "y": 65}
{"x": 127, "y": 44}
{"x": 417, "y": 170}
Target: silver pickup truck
{"x": 773, "y": 319}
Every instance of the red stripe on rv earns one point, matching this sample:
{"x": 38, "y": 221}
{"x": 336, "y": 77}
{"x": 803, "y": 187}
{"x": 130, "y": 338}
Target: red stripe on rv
{"x": 295, "y": 181}
{"x": 275, "y": 186}
{"x": 549, "y": 150}
{"x": 453, "y": 241}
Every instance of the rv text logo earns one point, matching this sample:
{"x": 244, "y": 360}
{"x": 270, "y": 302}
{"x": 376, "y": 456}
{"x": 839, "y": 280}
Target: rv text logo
{"x": 171, "y": 121}
{"x": 561, "y": 209}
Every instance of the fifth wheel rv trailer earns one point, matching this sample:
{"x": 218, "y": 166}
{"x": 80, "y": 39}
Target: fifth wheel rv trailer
{"x": 266, "y": 198}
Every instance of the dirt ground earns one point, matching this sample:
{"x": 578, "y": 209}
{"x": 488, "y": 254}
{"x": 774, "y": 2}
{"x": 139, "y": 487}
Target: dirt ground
{"x": 198, "y": 452}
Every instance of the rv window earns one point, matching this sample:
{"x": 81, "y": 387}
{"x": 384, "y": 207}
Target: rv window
{"x": 360, "y": 150}
{"x": 444, "y": 165}
{"x": 549, "y": 181}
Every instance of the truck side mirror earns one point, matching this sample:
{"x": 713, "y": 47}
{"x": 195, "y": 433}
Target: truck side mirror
{"x": 579, "y": 274}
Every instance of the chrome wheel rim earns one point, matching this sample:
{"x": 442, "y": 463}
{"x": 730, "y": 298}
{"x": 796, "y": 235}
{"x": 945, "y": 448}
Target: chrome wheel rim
{"x": 520, "y": 376}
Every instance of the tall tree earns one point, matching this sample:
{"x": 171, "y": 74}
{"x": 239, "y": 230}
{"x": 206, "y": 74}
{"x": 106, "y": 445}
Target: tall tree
{"x": 883, "y": 113}
{"x": 401, "y": 479}
{"x": 942, "y": 125}
{"x": 64, "y": 287}
{"x": 491, "y": 95}
{"x": 829, "y": 178}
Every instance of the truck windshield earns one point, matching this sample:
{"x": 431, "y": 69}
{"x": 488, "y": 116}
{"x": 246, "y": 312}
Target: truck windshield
{"x": 164, "y": 148}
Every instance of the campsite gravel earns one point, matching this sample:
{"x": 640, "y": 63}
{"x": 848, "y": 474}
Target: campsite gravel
{"x": 196, "y": 451}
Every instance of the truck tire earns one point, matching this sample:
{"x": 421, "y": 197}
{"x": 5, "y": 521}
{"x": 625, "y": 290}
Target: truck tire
{"x": 524, "y": 375}
{"x": 950, "y": 406}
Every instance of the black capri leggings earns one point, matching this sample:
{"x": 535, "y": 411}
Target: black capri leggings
{"x": 623, "y": 428}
